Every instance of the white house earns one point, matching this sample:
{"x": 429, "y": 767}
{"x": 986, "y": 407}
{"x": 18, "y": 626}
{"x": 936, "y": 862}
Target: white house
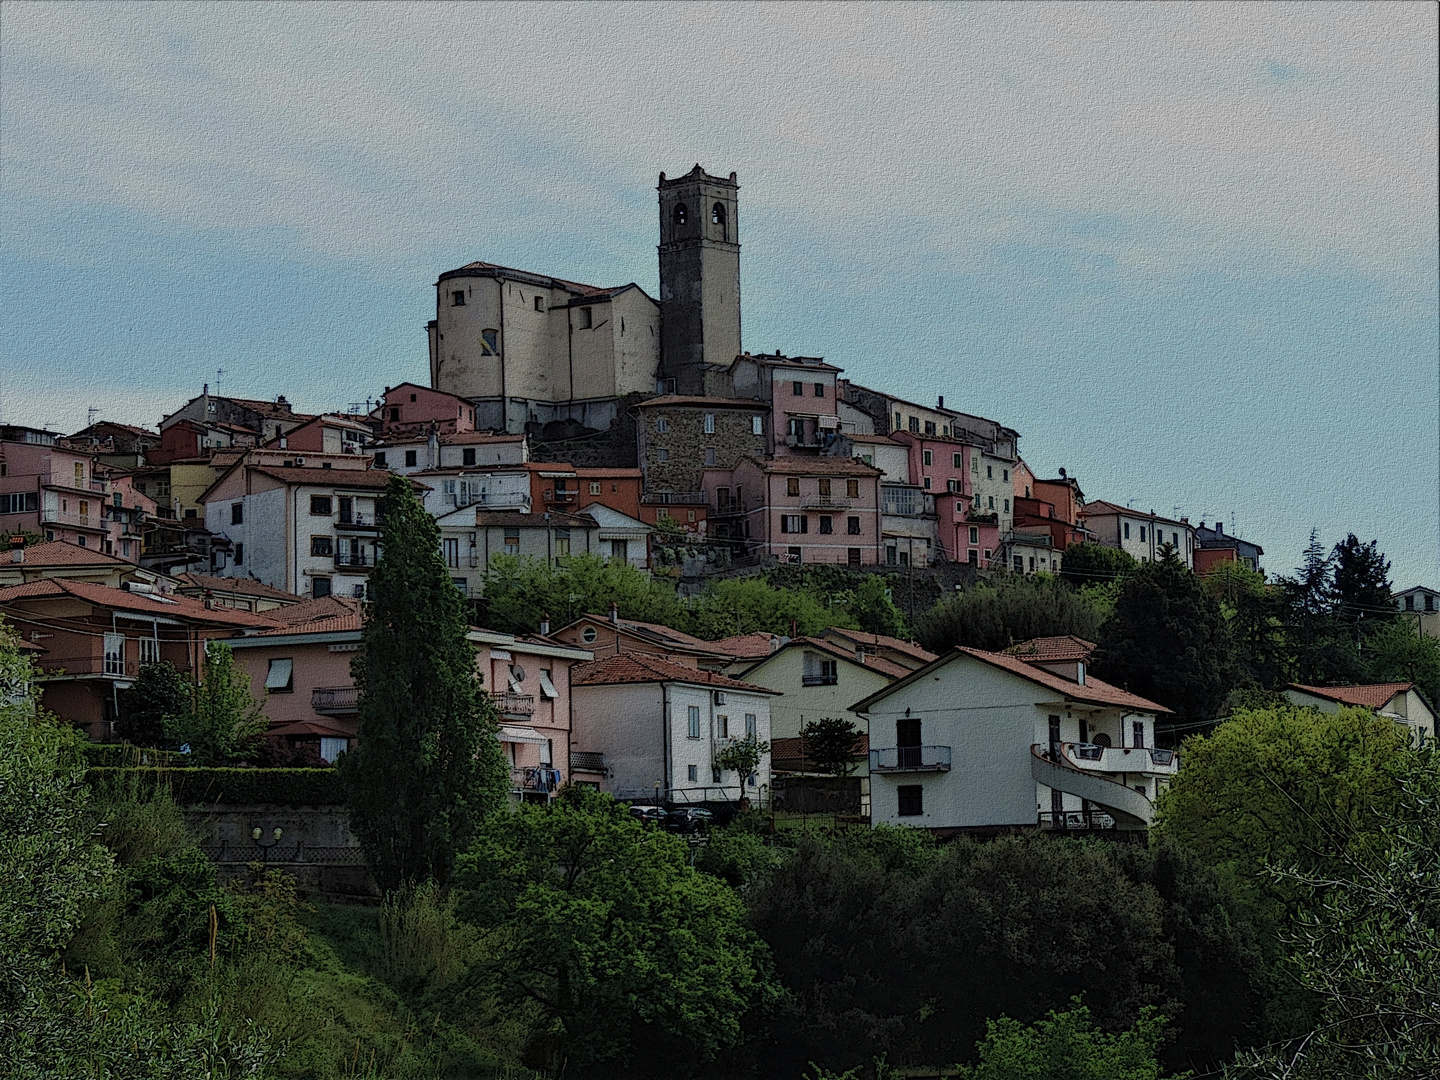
{"x": 660, "y": 727}
{"x": 1138, "y": 533}
{"x": 1401, "y": 702}
{"x": 978, "y": 741}
{"x": 1423, "y": 606}
{"x": 409, "y": 453}
{"x": 621, "y": 537}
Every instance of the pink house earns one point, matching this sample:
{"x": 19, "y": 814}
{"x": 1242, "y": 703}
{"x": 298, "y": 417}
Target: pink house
{"x": 945, "y": 467}
{"x": 812, "y": 510}
{"x": 800, "y": 390}
{"x": 410, "y": 408}
{"x": 303, "y": 671}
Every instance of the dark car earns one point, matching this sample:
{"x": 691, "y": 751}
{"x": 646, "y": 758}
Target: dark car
{"x": 692, "y": 819}
{"x": 650, "y": 815}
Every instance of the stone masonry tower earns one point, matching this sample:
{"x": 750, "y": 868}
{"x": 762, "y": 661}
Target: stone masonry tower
{"x": 699, "y": 276}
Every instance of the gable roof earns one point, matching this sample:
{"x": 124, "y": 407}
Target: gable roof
{"x": 1102, "y": 508}
{"x": 879, "y": 641}
{"x": 553, "y": 520}
{"x": 544, "y": 281}
{"x": 750, "y": 646}
{"x": 654, "y": 633}
{"x": 302, "y": 617}
{"x": 167, "y": 605}
{"x": 1370, "y": 696}
{"x": 1093, "y": 692}
{"x": 1060, "y": 648}
{"x": 245, "y": 586}
{"x": 888, "y": 668}
{"x": 640, "y": 668}
{"x": 63, "y": 553}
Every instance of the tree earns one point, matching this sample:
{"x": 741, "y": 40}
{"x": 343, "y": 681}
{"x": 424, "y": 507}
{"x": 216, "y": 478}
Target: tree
{"x": 1167, "y": 641}
{"x": 519, "y": 592}
{"x": 1088, "y": 564}
{"x": 1068, "y": 1046}
{"x": 1320, "y": 650}
{"x": 872, "y": 604}
{"x": 1362, "y": 587}
{"x": 1399, "y": 653}
{"x": 1013, "y": 609}
{"x": 1254, "y": 612}
{"x": 642, "y": 964}
{"x": 742, "y": 757}
{"x": 225, "y": 722}
{"x": 159, "y": 699}
{"x": 428, "y": 765}
{"x": 750, "y": 605}
{"x": 831, "y": 744}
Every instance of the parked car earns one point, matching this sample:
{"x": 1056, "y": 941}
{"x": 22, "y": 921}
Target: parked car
{"x": 691, "y": 819}
{"x": 650, "y": 815}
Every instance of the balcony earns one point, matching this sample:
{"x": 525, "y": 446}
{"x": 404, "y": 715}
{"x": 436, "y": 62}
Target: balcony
{"x": 502, "y": 500}
{"x": 545, "y": 778}
{"x": 1092, "y": 757}
{"x": 358, "y": 523}
{"x": 335, "y": 700}
{"x": 356, "y": 560}
{"x": 1087, "y": 820}
{"x": 515, "y": 704}
{"x": 910, "y": 759}
{"x": 824, "y": 502}
{"x": 68, "y": 481}
{"x": 818, "y": 680}
{"x": 666, "y": 498}
{"x": 560, "y": 496}
{"x": 904, "y": 501}
{"x": 728, "y": 508}
{"x": 71, "y": 518}
{"x": 983, "y": 517}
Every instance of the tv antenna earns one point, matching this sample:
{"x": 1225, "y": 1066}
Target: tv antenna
{"x": 90, "y": 414}
{"x": 218, "y": 373}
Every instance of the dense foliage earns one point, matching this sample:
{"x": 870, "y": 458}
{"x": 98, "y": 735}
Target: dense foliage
{"x": 215, "y": 721}
{"x": 237, "y": 787}
{"x": 1012, "y": 609}
{"x": 428, "y": 764}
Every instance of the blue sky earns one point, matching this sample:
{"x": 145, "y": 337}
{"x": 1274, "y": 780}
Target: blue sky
{"x": 1188, "y": 251}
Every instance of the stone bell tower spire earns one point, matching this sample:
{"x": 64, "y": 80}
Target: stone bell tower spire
{"x": 699, "y": 276}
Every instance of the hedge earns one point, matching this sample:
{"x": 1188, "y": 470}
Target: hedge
{"x": 124, "y": 755}
{"x": 240, "y": 787}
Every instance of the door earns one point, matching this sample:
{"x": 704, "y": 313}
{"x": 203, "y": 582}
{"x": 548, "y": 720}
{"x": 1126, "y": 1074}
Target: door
{"x": 1055, "y": 738}
{"x": 907, "y": 743}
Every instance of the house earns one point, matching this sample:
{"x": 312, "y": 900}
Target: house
{"x": 122, "y": 446}
{"x": 621, "y": 537}
{"x": 420, "y": 451}
{"x": 906, "y": 654}
{"x": 548, "y": 537}
{"x": 890, "y": 414}
{"x": 678, "y": 438}
{"x": 799, "y": 509}
{"x": 614, "y": 636}
{"x": 263, "y": 420}
{"x": 412, "y": 409}
{"x": 1137, "y": 533}
{"x": 62, "y": 559}
{"x": 982, "y": 742}
{"x": 241, "y": 593}
{"x": 304, "y": 524}
{"x": 661, "y": 726}
{"x": 189, "y": 440}
{"x": 1048, "y": 509}
{"x": 1424, "y": 605}
{"x": 96, "y": 638}
{"x": 329, "y": 433}
{"x": 1216, "y": 546}
{"x": 1401, "y": 702}
{"x": 1063, "y": 650}
{"x": 800, "y": 395}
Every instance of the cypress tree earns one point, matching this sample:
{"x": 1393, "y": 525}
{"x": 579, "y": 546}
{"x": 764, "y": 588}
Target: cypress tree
{"x": 427, "y": 766}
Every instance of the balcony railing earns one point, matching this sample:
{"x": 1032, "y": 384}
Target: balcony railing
{"x": 543, "y": 778}
{"x": 587, "y": 761}
{"x": 665, "y": 498}
{"x": 70, "y": 517}
{"x": 563, "y": 496}
{"x": 824, "y": 502}
{"x": 335, "y": 700}
{"x": 358, "y": 521}
{"x": 1120, "y": 759}
{"x": 728, "y": 508}
{"x": 910, "y": 759}
{"x": 818, "y": 680}
{"x": 1075, "y": 820}
{"x": 488, "y": 498}
{"x": 353, "y": 559}
{"x": 516, "y": 704}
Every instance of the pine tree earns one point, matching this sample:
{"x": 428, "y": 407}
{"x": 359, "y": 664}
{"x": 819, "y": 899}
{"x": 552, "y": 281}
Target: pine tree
{"x": 1363, "y": 602}
{"x": 427, "y": 766}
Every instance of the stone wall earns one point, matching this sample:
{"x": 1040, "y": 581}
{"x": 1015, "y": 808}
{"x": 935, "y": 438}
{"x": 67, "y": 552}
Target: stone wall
{"x": 686, "y": 441}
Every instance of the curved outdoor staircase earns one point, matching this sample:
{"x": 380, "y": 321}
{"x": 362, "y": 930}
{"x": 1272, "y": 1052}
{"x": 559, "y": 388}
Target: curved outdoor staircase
{"x": 1129, "y": 808}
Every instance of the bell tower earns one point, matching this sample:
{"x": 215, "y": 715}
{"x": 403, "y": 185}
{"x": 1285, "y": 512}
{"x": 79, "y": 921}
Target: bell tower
{"x": 699, "y": 276}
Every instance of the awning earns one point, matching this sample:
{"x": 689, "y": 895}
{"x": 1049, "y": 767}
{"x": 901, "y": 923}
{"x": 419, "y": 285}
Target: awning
{"x": 521, "y": 735}
{"x": 547, "y": 687}
{"x": 278, "y": 677}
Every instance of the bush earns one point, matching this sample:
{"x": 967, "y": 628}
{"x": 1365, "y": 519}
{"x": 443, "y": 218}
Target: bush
{"x": 286, "y": 787}
{"x": 1012, "y": 610}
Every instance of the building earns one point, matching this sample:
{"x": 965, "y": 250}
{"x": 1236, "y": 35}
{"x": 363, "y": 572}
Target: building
{"x": 1401, "y": 702}
{"x": 241, "y": 593}
{"x": 983, "y": 742}
{"x": 97, "y": 637}
{"x": 1216, "y": 546}
{"x": 260, "y": 420}
{"x": 1137, "y": 533}
{"x": 1422, "y": 604}
{"x": 614, "y": 636}
{"x": 801, "y": 398}
{"x": 409, "y": 453}
{"x": 62, "y": 559}
{"x": 678, "y": 438}
{"x": 122, "y": 446}
{"x": 1049, "y": 509}
{"x": 897, "y": 651}
{"x": 329, "y": 433}
{"x": 661, "y": 726}
{"x": 304, "y": 524}
{"x": 621, "y": 537}
{"x": 813, "y": 510}
{"x": 411, "y": 409}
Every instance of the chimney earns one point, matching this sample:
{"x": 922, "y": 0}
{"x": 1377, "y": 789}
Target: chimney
{"x": 1220, "y": 527}
{"x": 774, "y": 642}
{"x": 940, "y": 402}
{"x": 17, "y": 554}
{"x": 614, "y": 613}
{"x": 544, "y": 625}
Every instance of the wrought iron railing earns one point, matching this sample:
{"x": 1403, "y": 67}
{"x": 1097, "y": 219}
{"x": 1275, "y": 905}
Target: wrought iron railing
{"x": 910, "y": 759}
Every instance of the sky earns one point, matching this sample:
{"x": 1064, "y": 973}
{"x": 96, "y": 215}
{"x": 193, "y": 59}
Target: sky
{"x": 1188, "y": 251}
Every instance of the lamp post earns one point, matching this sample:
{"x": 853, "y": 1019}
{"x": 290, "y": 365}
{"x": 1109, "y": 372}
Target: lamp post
{"x": 257, "y": 835}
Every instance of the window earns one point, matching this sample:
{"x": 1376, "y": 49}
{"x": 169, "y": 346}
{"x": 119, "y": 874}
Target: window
{"x": 792, "y": 485}
{"x": 594, "y": 487}
{"x": 989, "y": 472}
{"x": 125, "y": 548}
{"x": 926, "y": 484}
{"x": 18, "y": 502}
{"x": 319, "y": 587}
{"x": 562, "y": 543}
{"x": 680, "y": 214}
{"x": 114, "y": 654}
{"x": 757, "y": 425}
{"x": 547, "y": 685}
{"x": 819, "y": 389}
{"x": 972, "y": 557}
{"x": 587, "y": 318}
{"x": 709, "y": 455}
{"x": 1409, "y": 603}
{"x": 539, "y": 304}
{"x": 823, "y": 485}
{"x": 915, "y": 424}
{"x": 929, "y": 427}
{"x": 395, "y": 414}
{"x": 990, "y": 502}
{"x": 190, "y": 512}
{"x": 797, "y": 428}
{"x": 827, "y": 524}
{"x": 412, "y": 458}
{"x": 898, "y": 423}
{"x": 1429, "y": 602}
{"x": 451, "y": 546}
{"x": 380, "y": 462}
{"x": 793, "y": 523}
{"x": 239, "y": 552}
{"x": 662, "y": 425}
{"x": 927, "y": 457}
{"x": 320, "y": 545}
{"x": 1005, "y": 474}
{"x": 1019, "y": 564}
{"x": 280, "y": 678}
{"x": 709, "y": 423}
{"x": 237, "y": 513}
{"x": 1127, "y": 530}
{"x": 1007, "y": 505}
{"x": 82, "y": 540}
{"x": 512, "y": 542}
{"x": 694, "y": 718}
{"x": 588, "y": 635}
{"x": 691, "y": 773}
{"x": 457, "y": 298}
{"x": 149, "y": 651}
{"x": 890, "y": 556}
{"x": 752, "y": 725}
{"x": 722, "y": 726}
{"x": 852, "y": 556}
{"x": 852, "y": 489}
{"x": 818, "y": 671}
{"x": 1142, "y": 534}
{"x": 974, "y": 534}
{"x": 79, "y": 474}
{"x": 662, "y": 454}
{"x": 347, "y": 510}
{"x": 717, "y": 214}
{"x": 489, "y": 342}
{"x": 852, "y": 526}
{"x": 797, "y": 389}
{"x": 1137, "y": 732}
{"x": 1032, "y": 564}
{"x": 911, "y": 800}
{"x": 974, "y": 464}
{"x": 956, "y": 461}
{"x": 467, "y": 456}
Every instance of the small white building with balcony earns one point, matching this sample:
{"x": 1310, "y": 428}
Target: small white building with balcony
{"x": 982, "y": 742}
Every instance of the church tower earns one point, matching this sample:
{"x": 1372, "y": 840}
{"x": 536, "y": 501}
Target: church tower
{"x": 699, "y": 276}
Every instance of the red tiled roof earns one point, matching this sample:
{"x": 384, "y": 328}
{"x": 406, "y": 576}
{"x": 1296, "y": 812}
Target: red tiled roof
{"x": 880, "y": 641}
{"x": 791, "y": 749}
{"x": 663, "y": 635}
{"x": 462, "y": 437}
{"x": 168, "y": 605}
{"x": 1371, "y": 696}
{"x": 877, "y": 663}
{"x": 61, "y": 553}
{"x": 1041, "y": 649}
{"x": 304, "y": 617}
{"x": 747, "y": 646}
{"x": 639, "y": 668}
{"x": 236, "y": 585}
{"x": 1094, "y": 691}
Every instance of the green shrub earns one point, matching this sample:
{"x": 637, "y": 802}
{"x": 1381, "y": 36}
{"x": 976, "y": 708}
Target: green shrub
{"x": 188, "y": 787}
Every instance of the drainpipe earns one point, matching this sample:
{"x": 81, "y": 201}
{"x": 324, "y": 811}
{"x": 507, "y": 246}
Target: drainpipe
{"x": 665, "y": 712}
{"x": 504, "y": 401}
